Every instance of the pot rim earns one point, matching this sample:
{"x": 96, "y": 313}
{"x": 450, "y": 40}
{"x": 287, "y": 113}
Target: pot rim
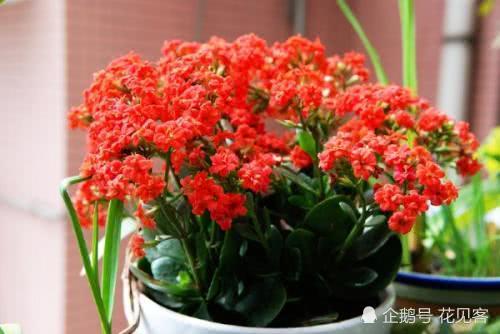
{"x": 448, "y": 282}
{"x": 389, "y": 296}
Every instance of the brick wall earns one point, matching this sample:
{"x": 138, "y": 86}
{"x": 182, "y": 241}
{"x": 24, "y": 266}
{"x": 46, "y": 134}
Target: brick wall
{"x": 50, "y": 50}
{"x": 485, "y": 101}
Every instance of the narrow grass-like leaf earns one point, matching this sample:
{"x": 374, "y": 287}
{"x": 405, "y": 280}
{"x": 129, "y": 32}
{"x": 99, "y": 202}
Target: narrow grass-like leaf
{"x": 128, "y": 225}
{"x": 84, "y": 253}
{"x": 370, "y": 49}
{"x": 407, "y": 17}
{"x": 95, "y": 242}
{"x": 111, "y": 256}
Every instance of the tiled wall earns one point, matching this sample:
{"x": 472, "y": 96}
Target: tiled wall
{"x": 32, "y": 151}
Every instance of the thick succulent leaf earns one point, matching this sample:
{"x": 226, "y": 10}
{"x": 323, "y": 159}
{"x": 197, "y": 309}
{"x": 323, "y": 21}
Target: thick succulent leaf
{"x": 301, "y": 201}
{"x": 328, "y": 219}
{"x": 358, "y": 277}
{"x": 262, "y": 302}
{"x": 292, "y": 264}
{"x": 177, "y": 290}
{"x": 324, "y": 319}
{"x": 230, "y": 251}
{"x": 171, "y": 248}
{"x": 275, "y": 242}
{"x": 385, "y": 262}
{"x": 246, "y": 231}
{"x": 202, "y": 312}
{"x": 307, "y": 143}
{"x": 166, "y": 269}
{"x": 304, "y": 241}
{"x": 369, "y": 242}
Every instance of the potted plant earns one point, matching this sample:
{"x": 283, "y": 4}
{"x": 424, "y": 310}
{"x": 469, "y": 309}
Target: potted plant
{"x": 240, "y": 227}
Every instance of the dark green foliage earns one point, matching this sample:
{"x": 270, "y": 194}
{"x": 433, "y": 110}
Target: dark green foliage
{"x": 313, "y": 264}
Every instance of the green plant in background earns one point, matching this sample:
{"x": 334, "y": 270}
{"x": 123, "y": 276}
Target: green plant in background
{"x": 463, "y": 236}
{"x": 492, "y": 326}
{"x": 10, "y": 329}
{"x": 459, "y": 235}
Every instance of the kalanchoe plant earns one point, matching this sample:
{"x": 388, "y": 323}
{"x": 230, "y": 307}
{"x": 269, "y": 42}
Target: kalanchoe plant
{"x": 240, "y": 224}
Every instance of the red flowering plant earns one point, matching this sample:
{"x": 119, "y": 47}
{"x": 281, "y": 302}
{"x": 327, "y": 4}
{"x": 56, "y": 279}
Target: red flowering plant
{"x": 241, "y": 220}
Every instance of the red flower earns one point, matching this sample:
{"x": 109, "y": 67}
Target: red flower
{"x": 228, "y": 207}
{"x": 429, "y": 174}
{"x": 363, "y": 163}
{"x": 431, "y": 120}
{"x": 145, "y": 220}
{"x": 468, "y": 166}
{"x": 202, "y": 192}
{"x": 415, "y": 203}
{"x": 389, "y": 197}
{"x": 440, "y": 194}
{"x": 255, "y": 175}
{"x": 300, "y": 158}
{"x": 137, "y": 246}
{"x": 224, "y": 162}
{"x": 402, "y": 221}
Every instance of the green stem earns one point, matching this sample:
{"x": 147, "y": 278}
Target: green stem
{"x": 84, "y": 253}
{"x": 370, "y": 49}
{"x": 191, "y": 263}
{"x": 358, "y": 227}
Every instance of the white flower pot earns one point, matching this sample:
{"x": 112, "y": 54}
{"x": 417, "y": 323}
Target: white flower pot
{"x": 156, "y": 319}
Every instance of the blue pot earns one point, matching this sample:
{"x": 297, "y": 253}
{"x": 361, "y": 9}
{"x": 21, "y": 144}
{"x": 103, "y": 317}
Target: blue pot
{"x": 435, "y": 291}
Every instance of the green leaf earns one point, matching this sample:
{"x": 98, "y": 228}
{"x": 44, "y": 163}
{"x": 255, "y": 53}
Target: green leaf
{"x": 167, "y": 269}
{"x": 307, "y": 143}
{"x": 170, "y": 248}
{"x": 246, "y": 231}
{"x": 128, "y": 226}
{"x": 385, "y": 262}
{"x": 202, "y": 312}
{"x": 304, "y": 241}
{"x": 370, "y": 49}
{"x": 229, "y": 256}
{"x": 358, "y": 277}
{"x": 82, "y": 247}
{"x": 262, "y": 302}
{"x": 348, "y": 210}
{"x": 275, "y": 242}
{"x": 299, "y": 179}
{"x": 301, "y": 201}
{"x": 321, "y": 320}
{"x": 328, "y": 219}
{"x": 111, "y": 256}
{"x": 407, "y": 17}
{"x": 213, "y": 289}
{"x": 177, "y": 290}
{"x": 10, "y": 328}
{"x": 369, "y": 242}
{"x": 292, "y": 264}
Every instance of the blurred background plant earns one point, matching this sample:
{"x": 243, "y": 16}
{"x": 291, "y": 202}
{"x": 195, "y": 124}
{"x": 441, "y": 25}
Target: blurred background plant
{"x": 463, "y": 239}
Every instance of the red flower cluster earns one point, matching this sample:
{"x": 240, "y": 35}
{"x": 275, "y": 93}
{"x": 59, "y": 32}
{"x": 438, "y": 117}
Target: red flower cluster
{"x": 201, "y": 112}
{"x": 374, "y": 144}
{"x": 204, "y": 193}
